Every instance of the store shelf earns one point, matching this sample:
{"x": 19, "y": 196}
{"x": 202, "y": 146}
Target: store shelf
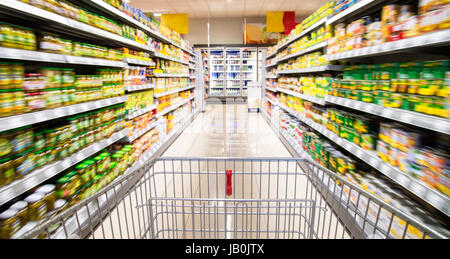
{"x": 173, "y": 107}
{"x": 275, "y": 103}
{"x": 141, "y": 112}
{"x": 299, "y": 53}
{"x": 272, "y": 65}
{"x": 92, "y": 211}
{"x": 298, "y": 36}
{"x": 158, "y": 95}
{"x": 133, "y": 88}
{"x": 271, "y": 89}
{"x": 139, "y": 133}
{"x": 271, "y": 76}
{"x": 26, "y": 10}
{"x": 41, "y": 175}
{"x": 317, "y": 100}
{"x": 155, "y": 54}
{"x": 359, "y": 7}
{"x": 427, "y": 40}
{"x": 139, "y": 62}
{"x": 124, "y": 17}
{"x": 413, "y": 118}
{"x": 38, "y": 56}
{"x": 26, "y": 119}
{"x": 170, "y": 75}
{"x": 432, "y": 197}
{"x": 312, "y": 69}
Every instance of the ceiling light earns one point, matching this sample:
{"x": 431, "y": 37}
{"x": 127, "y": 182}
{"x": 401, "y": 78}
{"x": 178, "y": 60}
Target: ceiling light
{"x": 229, "y": 1}
{"x": 157, "y": 14}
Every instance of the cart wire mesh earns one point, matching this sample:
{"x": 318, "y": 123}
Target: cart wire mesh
{"x": 232, "y": 198}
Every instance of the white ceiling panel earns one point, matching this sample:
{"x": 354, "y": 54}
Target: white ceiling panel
{"x": 228, "y": 8}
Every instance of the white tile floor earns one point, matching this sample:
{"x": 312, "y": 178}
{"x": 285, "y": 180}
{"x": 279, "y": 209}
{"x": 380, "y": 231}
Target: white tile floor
{"x": 228, "y": 131}
{"x": 222, "y": 131}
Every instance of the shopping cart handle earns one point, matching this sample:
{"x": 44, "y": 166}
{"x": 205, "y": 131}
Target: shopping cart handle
{"x": 229, "y": 188}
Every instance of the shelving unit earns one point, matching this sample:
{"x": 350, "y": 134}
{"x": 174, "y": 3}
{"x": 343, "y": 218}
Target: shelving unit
{"x": 134, "y": 88}
{"x": 412, "y": 118}
{"x": 320, "y": 101}
{"x": 421, "y": 191}
{"x": 37, "y": 56}
{"x": 312, "y": 69}
{"x": 95, "y": 209}
{"x": 302, "y": 52}
{"x": 175, "y": 106}
{"x": 173, "y": 91}
{"x": 29, "y": 11}
{"x": 33, "y": 179}
{"x": 141, "y": 112}
{"x": 433, "y": 39}
{"x": 132, "y": 22}
{"x": 139, "y": 62}
{"x": 39, "y": 19}
{"x": 31, "y": 118}
{"x": 171, "y": 75}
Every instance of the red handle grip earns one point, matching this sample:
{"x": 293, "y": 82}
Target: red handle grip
{"x": 229, "y": 188}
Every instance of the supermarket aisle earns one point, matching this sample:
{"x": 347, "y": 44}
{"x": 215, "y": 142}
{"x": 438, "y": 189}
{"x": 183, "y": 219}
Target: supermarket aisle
{"x": 228, "y": 131}
{"x": 188, "y": 197}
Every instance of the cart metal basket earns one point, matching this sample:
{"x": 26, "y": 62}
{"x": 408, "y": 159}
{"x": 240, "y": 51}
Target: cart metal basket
{"x": 237, "y": 198}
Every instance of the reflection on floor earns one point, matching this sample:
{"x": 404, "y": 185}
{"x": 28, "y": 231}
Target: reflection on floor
{"x": 228, "y": 131}
{"x": 186, "y": 197}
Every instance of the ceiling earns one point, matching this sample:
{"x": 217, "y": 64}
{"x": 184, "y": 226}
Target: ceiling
{"x": 228, "y": 8}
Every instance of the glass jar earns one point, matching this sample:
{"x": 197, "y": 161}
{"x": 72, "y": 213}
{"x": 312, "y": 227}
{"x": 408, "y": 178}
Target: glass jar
{"x": 6, "y": 143}
{"x": 35, "y": 101}
{"x": 37, "y": 207}
{"x": 6, "y": 103}
{"x": 67, "y": 96}
{"x": 51, "y": 137}
{"x": 5, "y": 76}
{"x": 50, "y": 154}
{"x": 9, "y": 223}
{"x": 67, "y": 186}
{"x": 53, "y": 97}
{"x": 67, "y": 77}
{"x": 24, "y": 163}
{"x": 53, "y": 77}
{"x": 7, "y": 171}
{"x": 19, "y": 105}
{"x": 103, "y": 162}
{"x": 49, "y": 192}
{"x": 17, "y": 75}
{"x": 22, "y": 211}
{"x": 40, "y": 158}
{"x": 22, "y": 138}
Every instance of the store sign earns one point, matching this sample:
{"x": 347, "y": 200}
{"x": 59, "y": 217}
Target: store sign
{"x": 256, "y": 33}
{"x": 177, "y": 22}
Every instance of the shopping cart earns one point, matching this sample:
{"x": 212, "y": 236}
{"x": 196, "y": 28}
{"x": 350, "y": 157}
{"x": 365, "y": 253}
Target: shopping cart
{"x": 238, "y": 198}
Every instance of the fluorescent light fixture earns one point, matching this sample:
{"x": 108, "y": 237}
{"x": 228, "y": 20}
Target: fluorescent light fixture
{"x": 229, "y": 1}
{"x": 157, "y": 14}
